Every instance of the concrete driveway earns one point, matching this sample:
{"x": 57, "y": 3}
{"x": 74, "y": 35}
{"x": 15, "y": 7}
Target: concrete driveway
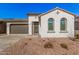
{"x": 8, "y": 40}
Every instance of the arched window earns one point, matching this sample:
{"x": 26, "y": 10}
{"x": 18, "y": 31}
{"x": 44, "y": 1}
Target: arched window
{"x": 50, "y": 24}
{"x": 63, "y": 24}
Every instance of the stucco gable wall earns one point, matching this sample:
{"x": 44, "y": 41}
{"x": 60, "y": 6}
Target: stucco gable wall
{"x": 57, "y": 17}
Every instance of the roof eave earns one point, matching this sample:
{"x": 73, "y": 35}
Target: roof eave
{"x": 57, "y": 9}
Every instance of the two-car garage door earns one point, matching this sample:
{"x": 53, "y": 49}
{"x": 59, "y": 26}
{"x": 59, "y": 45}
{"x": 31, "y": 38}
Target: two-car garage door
{"x": 19, "y": 29}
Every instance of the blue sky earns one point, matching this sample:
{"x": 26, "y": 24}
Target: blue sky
{"x": 19, "y": 10}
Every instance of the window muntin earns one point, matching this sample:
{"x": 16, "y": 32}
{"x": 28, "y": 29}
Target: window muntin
{"x": 50, "y": 24}
{"x": 63, "y": 24}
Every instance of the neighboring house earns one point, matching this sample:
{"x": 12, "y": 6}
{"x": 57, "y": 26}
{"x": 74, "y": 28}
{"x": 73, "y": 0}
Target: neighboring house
{"x": 77, "y": 25}
{"x": 54, "y": 23}
{"x": 13, "y": 26}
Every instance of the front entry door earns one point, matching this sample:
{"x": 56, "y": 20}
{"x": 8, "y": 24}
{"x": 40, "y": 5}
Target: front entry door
{"x": 35, "y": 28}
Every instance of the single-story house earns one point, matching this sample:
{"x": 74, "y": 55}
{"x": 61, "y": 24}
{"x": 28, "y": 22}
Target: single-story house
{"x": 53, "y": 23}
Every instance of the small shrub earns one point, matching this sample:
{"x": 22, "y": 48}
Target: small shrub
{"x": 30, "y": 39}
{"x": 64, "y": 46}
{"x": 77, "y": 36}
{"x": 25, "y": 43}
{"x": 43, "y": 40}
{"x": 48, "y": 45}
{"x": 48, "y": 39}
{"x": 73, "y": 39}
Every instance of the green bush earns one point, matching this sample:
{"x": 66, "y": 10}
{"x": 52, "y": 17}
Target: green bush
{"x": 63, "y": 45}
{"x": 48, "y": 45}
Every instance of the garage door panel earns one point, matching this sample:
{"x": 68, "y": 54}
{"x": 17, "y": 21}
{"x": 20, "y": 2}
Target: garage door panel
{"x": 19, "y": 29}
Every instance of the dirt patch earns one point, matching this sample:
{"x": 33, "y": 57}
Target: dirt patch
{"x": 35, "y": 46}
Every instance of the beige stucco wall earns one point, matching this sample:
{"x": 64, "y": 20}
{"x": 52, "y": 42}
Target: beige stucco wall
{"x": 57, "y": 17}
{"x": 30, "y": 20}
{"x": 43, "y": 29}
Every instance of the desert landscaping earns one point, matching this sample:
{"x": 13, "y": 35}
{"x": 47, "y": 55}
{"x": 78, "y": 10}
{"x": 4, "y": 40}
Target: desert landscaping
{"x": 43, "y": 46}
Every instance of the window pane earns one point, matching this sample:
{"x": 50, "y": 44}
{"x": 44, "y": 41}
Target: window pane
{"x": 63, "y": 24}
{"x": 50, "y": 24}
